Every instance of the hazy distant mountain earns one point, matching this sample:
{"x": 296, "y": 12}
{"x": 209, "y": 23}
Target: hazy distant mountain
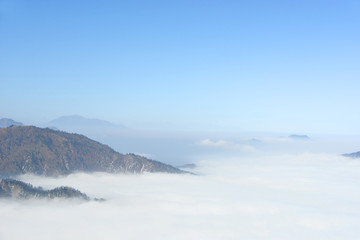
{"x": 48, "y": 152}
{"x": 76, "y": 121}
{"x": 7, "y": 122}
{"x": 299, "y": 137}
{"x": 352, "y": 155}
{"x": 10, "y": 188}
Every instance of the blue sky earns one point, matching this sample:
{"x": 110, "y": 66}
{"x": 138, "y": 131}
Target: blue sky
{"x": 275, "y": 66}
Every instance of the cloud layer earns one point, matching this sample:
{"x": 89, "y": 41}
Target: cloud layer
{"x": 304, "y": 196}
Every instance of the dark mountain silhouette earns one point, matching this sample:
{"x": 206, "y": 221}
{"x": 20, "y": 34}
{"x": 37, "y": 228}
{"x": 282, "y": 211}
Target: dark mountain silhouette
{"x": 352, "y": 155}
{"x": 10, "y": 188}
{"x": 7, "y": 122}
{"x": 47, "y": 152}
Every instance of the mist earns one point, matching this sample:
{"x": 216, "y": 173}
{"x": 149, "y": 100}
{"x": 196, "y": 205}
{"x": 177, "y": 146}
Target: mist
{"x": 249, "y": 194}
{"x": 181, "y": 147}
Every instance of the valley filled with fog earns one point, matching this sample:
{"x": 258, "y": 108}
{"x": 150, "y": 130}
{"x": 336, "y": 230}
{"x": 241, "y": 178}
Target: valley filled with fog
{"x": 269, "y": 188}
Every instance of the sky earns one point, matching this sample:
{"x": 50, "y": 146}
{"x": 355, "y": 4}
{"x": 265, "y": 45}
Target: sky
{"x": 274, "y": 66}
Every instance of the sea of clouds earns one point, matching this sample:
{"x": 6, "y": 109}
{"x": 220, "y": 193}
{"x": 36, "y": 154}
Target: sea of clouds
{"x": 269, "y": 196}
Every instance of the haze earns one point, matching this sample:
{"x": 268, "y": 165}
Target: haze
{"x": 306, "y": 196}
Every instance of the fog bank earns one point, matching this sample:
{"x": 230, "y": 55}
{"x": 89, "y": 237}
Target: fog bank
{"x": 305, "y": 196}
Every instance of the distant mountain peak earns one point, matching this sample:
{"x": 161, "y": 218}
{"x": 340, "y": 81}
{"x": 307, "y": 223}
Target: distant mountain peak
{"x": 352, "y": 155}
{"x": 7, "y": 122}
{"x": 299, "y": 137}
{"x": 77, "y": 121}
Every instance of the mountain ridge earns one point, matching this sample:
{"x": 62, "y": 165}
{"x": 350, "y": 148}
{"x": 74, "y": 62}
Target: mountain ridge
{"x": 43, "y": 151}
{"x": 15, "y": 189}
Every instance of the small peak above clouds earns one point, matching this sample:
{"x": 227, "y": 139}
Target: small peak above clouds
{"x": 352, "y": 155}
{"x": 299, "y": 137}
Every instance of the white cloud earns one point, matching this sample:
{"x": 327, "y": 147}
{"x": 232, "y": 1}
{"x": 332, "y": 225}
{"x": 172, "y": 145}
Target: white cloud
{"x": 306, "y": 196}
{"x": 222, "y": 144}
